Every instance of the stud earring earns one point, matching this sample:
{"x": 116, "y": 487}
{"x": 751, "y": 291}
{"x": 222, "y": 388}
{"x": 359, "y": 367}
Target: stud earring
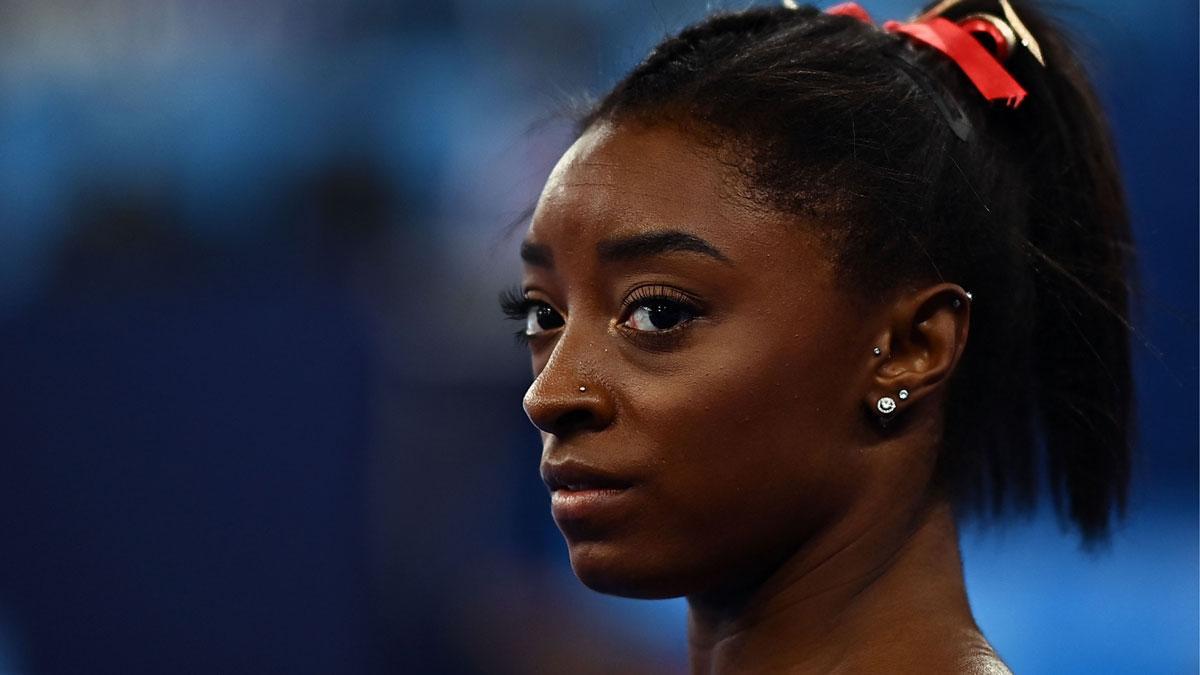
{"x": 903, "y": 394}
{"x": 886, "y": 405}
{"x": 583, "y": 389}
{"x": 877, "y": 351}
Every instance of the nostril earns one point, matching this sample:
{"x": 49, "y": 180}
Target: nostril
{"x": 572, "y": 420}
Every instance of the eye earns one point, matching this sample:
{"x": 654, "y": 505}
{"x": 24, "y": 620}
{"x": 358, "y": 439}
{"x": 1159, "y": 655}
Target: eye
{"x": 658, "y": 309}
{"x": 541, "y": 317}
{"x": 658, "y": 315}
{"x": 537, "y": 316}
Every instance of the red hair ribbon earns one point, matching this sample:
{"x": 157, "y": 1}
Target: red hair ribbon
{"x": 985, "y": 72}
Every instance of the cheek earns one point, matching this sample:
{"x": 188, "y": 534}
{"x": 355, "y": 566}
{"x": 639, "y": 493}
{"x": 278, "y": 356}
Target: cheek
{"x": 748, "y": 459}
{"x": 763, "y": 447}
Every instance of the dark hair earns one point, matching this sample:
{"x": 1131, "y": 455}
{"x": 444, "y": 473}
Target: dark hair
{"x": 822, "y": 118}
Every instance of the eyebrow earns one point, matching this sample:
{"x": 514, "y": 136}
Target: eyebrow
{"x": 655, "y": 243}
{"x": 629, "y": 248}
{"x": 537, "y": 255}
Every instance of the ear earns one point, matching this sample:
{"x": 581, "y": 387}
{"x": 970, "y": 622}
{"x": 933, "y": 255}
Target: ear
{"x": 925, "y": 337}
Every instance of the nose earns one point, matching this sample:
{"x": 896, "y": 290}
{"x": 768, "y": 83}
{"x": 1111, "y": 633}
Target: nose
{"x": 564, "y": 399}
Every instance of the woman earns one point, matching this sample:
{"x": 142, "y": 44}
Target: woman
{"x": 806, "y": 290}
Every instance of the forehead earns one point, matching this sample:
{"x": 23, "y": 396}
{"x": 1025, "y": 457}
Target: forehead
{"x": 629, "y": 179}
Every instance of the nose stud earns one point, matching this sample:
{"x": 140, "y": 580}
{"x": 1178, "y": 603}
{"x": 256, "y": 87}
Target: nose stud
{"x": 583, "y": 389}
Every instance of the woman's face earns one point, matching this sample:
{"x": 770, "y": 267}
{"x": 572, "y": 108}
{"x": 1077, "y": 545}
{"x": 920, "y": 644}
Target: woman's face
{"x": 700, "y": 381}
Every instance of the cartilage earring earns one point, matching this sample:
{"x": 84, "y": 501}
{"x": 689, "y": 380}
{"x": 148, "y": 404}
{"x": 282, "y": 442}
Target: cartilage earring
{"x": 886, "y": 405}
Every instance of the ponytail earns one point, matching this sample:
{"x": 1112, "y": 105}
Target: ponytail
{"x": 1079, "y": 249}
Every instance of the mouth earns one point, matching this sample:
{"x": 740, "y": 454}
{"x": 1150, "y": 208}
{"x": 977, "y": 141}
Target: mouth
{"x": 582, "y": 492}
{"x": 575, "y": 476}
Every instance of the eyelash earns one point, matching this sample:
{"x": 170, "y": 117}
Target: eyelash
{"x": 516, "y": 306}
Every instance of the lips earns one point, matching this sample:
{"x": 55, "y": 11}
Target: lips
{"x": 586, "y": 500}
{"x": 576, "y": 476}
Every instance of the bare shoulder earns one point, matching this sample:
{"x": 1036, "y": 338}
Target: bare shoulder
{"x": 959, "y": 652}
{"x": 977, "y": 657}
{"x": 983, "y": 664}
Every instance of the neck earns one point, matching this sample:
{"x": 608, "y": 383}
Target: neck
{"x": 870, "y": 595}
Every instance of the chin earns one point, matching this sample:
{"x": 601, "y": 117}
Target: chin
{"x": 613, "y": 570}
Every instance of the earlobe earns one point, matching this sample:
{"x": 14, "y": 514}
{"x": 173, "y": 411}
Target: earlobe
{"x": 926, "y": 335}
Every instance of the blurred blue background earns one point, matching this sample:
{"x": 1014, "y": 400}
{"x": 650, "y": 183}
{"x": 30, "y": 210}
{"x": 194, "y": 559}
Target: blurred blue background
{"x": 261, "y": 414}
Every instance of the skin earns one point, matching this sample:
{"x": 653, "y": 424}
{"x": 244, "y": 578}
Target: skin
{"x": 804, "y": 535}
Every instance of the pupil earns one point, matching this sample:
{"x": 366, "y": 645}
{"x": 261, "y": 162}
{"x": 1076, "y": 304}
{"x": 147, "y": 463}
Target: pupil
{"x": 547, "y": 319}
{"x": 664, "y": 315}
